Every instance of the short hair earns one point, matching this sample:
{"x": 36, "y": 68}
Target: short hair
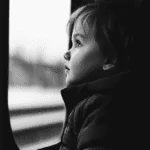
{"x": 113, "y": 21}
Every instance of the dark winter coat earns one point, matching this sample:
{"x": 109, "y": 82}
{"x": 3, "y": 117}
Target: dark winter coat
{"x": 99, "y": 114}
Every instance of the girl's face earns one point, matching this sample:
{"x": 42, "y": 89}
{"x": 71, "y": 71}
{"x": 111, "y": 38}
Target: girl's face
{"x": 84, "y": 60}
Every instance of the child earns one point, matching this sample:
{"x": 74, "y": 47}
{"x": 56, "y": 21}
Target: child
{"x": 98, "y": 96}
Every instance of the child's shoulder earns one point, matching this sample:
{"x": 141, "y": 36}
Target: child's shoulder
{"x": 92, "y": 100}
{"x": 96, "y": 100}
{"x": 94, "y": 105}
{"x": 91, "y": 103}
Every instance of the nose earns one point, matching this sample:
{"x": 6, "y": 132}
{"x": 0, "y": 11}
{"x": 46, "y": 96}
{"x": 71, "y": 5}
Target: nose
{"x": 67, "y": 55}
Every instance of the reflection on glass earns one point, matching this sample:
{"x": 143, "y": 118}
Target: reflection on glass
{"x": 37, "y": 42}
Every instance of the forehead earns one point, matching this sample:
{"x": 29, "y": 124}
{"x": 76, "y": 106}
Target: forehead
{"x": 84, "y": 28}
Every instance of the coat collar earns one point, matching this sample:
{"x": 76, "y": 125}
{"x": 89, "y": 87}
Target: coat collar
{"x": 75, "y": 93}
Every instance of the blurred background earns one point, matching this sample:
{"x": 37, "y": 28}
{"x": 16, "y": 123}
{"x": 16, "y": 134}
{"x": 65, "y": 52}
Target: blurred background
{"x": 37, "y": 42}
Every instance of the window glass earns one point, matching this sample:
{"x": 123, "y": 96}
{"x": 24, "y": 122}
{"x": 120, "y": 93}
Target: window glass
{"x": 37, "y": 42}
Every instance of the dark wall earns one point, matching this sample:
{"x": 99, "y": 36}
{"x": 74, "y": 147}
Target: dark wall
{"x": 6, "y": 138}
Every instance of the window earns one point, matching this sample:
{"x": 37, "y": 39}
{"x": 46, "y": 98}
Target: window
{"x": 37, "y": 42}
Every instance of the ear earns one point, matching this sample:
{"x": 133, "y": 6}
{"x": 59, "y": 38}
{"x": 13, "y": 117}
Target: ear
{"x": 109, "y": 64}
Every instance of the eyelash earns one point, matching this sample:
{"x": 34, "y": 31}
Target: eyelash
{"x": 78, "y": 43}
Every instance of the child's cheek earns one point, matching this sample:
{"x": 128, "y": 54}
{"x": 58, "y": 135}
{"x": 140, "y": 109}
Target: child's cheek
{"x": 77, "y": 65}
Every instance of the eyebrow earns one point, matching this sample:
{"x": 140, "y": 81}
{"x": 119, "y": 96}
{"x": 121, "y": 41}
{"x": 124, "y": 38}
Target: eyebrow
{"x": 79, "y": 34}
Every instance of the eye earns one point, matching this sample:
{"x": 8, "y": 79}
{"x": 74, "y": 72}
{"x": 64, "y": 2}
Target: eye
{"x": 78, "y": 43}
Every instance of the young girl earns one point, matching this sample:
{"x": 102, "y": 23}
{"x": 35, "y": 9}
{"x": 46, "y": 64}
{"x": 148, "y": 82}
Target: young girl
{"x": 98, "y": 93}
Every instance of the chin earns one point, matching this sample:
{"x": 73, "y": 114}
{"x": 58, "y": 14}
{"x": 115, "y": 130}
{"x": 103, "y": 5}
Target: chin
{"x": 73, "y": 82}
{"x": 70, "y": 82}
